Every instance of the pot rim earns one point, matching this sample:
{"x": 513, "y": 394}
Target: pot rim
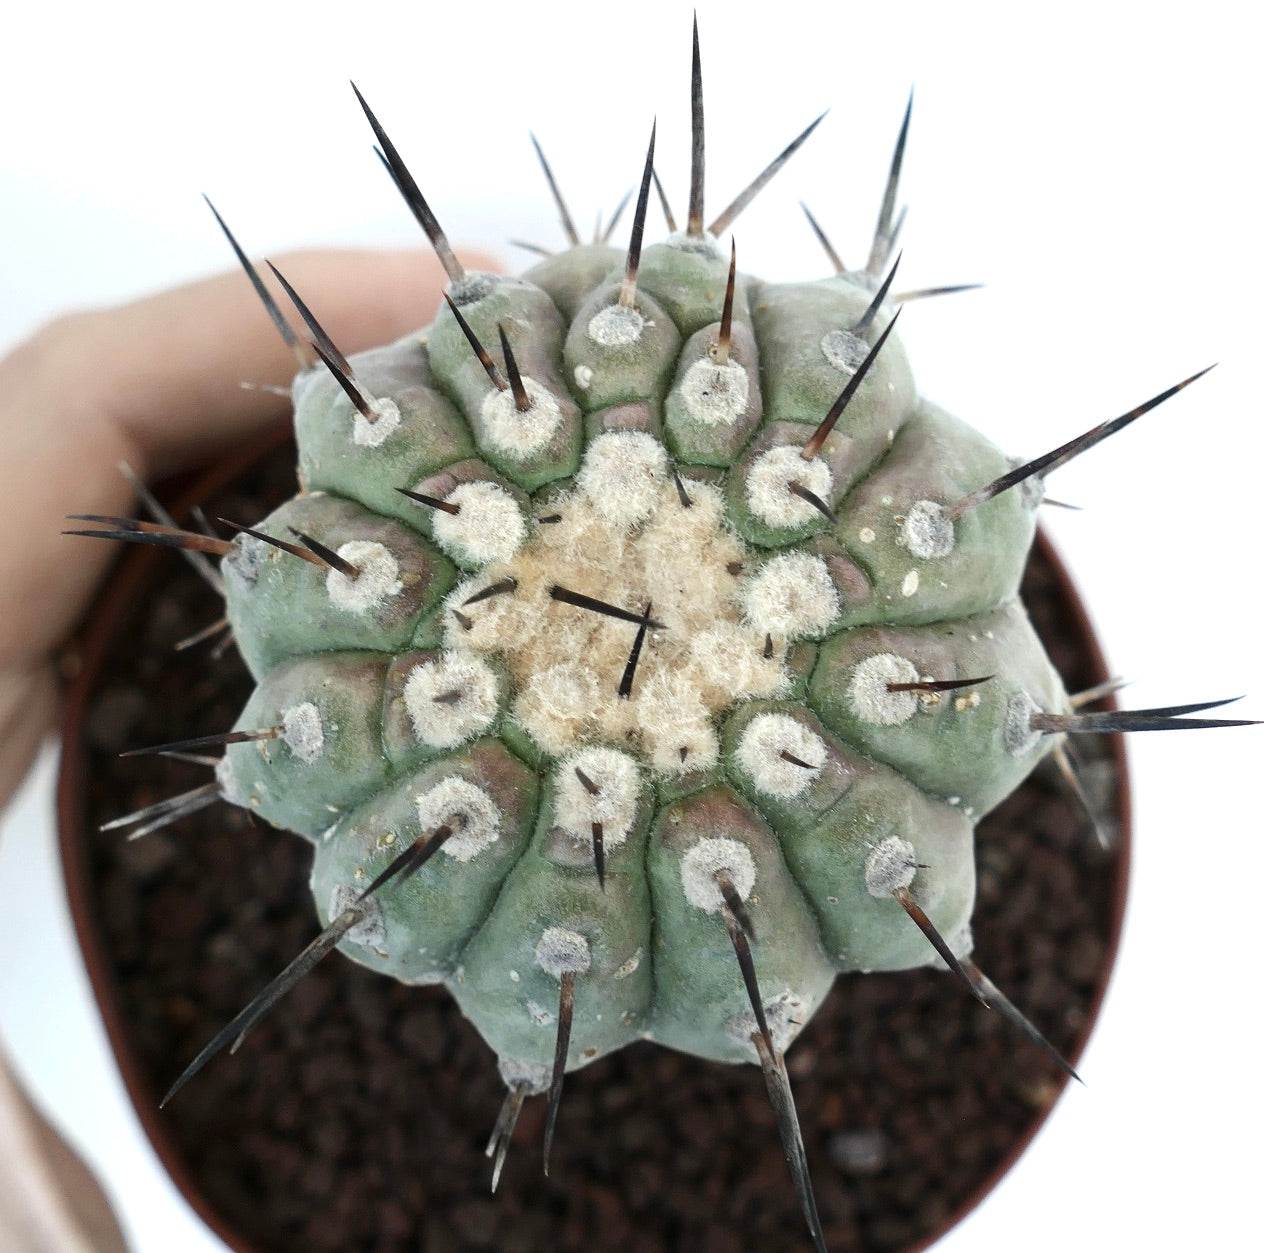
{"x": 95, "y": 634}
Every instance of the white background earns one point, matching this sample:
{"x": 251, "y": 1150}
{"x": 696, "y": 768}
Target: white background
{"x": 1095, "y": 167}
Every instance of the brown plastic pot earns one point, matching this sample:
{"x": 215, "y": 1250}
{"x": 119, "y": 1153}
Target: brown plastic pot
{"x": 355, "y": 1116}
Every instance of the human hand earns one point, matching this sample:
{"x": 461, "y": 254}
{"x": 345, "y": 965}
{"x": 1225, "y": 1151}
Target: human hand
{"x": 155, "y": 383}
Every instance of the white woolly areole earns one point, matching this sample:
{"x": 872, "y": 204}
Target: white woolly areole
{"x": 615, "y": 326}
{"x": 378, "y": 577}
{"x": 229, "y": 787}
{"x": 622, "y": 475}
{"x": 728, "y": 658}
{"x": 1018, "y": 734}
{"x": 534, "y": 1077}
{"x": 561, "y": 952}
{"x": 715, "y": 394}
{"x": 867, "y": 692}
{"x": 556, "y": 704}
{"x": 927, "y": 532}
{"x": 249, "y": 556}
{"x": 768, "y": 482}
{"x": 520, "y": 433}
{"x": 303, "y": 731}
{"x": 843, "y": 350}
{"x": 437, "y": 718}
{"x": 699, "y": 865}
{"x": 790, "y": 596}
{"x": 675, "y": 724}
{"x": 890, "y": 866}
{"x": 386, "y": 419}
{"x": 370, "y": 931}
{"x": 490, "y": 526}
{"x": 464, "y": 806}
{"x": 759, "y": 751}
{"x": 618, "y": 784}
{"x": 784, "y": 1014}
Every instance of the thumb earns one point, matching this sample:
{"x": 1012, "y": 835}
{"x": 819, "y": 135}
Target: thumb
{"x": 164, "y": 373}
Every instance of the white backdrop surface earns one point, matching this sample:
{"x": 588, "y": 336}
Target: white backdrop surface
{"x": 1095, "y": 166}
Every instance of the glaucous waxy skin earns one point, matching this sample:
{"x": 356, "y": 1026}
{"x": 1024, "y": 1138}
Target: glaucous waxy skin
{"x": 629, "y": 624}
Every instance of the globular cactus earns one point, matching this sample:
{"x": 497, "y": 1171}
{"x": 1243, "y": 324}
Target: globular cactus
{"x": 640, "y": 652}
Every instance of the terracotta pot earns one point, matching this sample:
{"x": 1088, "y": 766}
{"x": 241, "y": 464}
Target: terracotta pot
{"x": 355, "y": 1116}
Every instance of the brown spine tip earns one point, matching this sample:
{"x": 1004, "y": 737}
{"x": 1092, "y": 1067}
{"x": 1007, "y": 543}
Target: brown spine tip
{"x": 682, "y": 495}
{"x": 200, "y": 637}
{"x": 937, "y": 941}
{"x": 1100, "y": 691}
{"x": 821, "y": 434}
{"x": 603, "y": 236}
{"x": 937, "y": 685}
{"x": 408, "y": 862}
{"x": 926, "y": 293}
{"x": 662, "y": 200}
{"x": 866, "y": 319}
{"x": 286, "y": 331}
{"x": 777, "y": 1083}
{"x": 1064, "y": 760}
{"x": 582, "y": 601}
{"x": 408, "y": 188}
{"x": 786, "y": 755}
{"x": 502, "y": 1132}
{"x": 318, "y": 331}
{"x": 629, "y": 671}
{"x": 432, "y": 502}
{"x": 484, "y": 358}
{"x": 206, "y": 741}
{"x": 164, "y": 812}
{"x": 599, "y": 853}
{"x": 568, "y": 226}
{"x": 327, "y": 555}
{"x": 565, "y": 1015}
{"x": 795, "y": 488}
{"x": 885, "y": 232}
{"x": 729, "y": 215}
{"x": 1164, "y": 718}
{"x": 132, "y": 531}
{"x": 527, "y": 246}
{"x": 726, "y": 315}
{"x": 736, "y": 908}
{"x": 697, "y": 149}
{"x": 522, "y": 402}
{"x": 627, "y": 292}
{"x": 835, "y": 260}
{"x": 991, "y": 995}
{"x": 1065, "y": 452}
{"x": 330, "y": 354}
{"x": 502, "y": 587}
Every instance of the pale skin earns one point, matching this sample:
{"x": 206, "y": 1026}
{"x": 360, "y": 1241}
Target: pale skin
{"x": 155, "y": 383}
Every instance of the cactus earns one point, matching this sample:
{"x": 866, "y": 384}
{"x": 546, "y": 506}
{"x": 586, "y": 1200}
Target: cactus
{"x": 640, "y": 651}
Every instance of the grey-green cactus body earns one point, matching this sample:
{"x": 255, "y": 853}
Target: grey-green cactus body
{"x": 756, "y": 736}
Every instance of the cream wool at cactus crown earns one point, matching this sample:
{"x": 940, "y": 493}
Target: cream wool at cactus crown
{"x": 1092, "y": 169}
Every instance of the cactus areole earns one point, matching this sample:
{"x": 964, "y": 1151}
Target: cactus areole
{"x": 640, "y": 651}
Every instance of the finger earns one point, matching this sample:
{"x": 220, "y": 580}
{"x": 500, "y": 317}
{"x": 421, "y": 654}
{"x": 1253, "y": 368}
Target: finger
{"x": 167, "y": 370}
{"x": 157, "y": 383}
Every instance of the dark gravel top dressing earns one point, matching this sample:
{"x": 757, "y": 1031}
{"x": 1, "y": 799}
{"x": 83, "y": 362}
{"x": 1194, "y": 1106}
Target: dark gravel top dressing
{"x": 354, "y": 1117}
